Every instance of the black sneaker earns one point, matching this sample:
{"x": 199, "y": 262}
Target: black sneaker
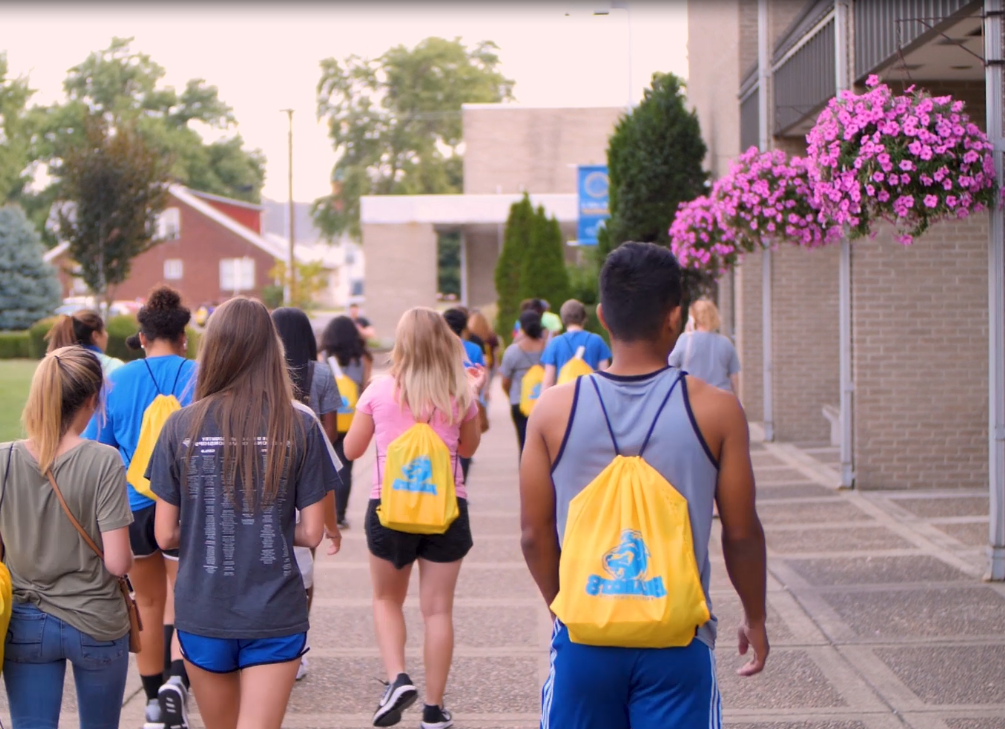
{"x": 173, "y": 698}
{"x": 436, "y": 717}
{"x": 397, "y": 697}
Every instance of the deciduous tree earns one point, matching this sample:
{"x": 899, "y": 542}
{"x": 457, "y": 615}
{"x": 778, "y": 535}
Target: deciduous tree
{"x": 395, "y": 122}
{"x": 113, "y": 185}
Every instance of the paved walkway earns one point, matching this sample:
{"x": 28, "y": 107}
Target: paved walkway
{"x": 877, "y": 614}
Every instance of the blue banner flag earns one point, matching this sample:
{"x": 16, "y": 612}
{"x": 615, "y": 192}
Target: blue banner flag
{"x": 593, "y": 198}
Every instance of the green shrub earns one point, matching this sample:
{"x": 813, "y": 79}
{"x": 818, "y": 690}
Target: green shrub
{"x": 194, "y": 338}
{"x": 36, "y": 337}
{"x": 119, "y": 329}
{"x": 14, "y": 345}
{"x": 272, "y": 296}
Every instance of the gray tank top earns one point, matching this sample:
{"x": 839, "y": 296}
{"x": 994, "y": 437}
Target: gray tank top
{"x": 636, "y": 406}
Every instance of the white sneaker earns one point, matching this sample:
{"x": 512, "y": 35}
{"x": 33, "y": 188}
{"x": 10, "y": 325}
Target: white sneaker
{"x": 302, "y": 670}
{"x": 152, "y": 718}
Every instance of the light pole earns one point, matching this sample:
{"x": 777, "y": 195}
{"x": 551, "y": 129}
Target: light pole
{"x": 291, "y": 271}
{"x": 623, "y": 5}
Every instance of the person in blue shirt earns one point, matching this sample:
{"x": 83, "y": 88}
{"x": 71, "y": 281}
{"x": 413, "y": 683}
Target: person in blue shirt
{"x": 457, "y": 320}
{"x": 131, "y": 389}
{"x": 563, "y": 347}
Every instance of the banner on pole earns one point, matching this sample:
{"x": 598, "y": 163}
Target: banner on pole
{"x": 593, "y": 202}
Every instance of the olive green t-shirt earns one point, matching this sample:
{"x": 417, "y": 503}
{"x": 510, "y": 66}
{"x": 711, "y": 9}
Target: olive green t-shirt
{"x": 50, "y": 564}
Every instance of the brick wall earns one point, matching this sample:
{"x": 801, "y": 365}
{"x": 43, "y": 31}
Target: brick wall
{"x": 805, "y": 339}
{"x": 540, "y": 145}
{"x": 714, "y": 77}
{"x": 749, "y": 335}
{"x": 402, "y": 273}
{"x": 920, "y": 358}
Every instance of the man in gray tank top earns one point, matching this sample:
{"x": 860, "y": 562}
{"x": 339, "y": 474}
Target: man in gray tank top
{"x": 695, "y": 436}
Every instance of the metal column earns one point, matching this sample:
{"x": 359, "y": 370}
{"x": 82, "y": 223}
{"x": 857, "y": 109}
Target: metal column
{"x": 464, "y": 267}
{"x": 994, "y": 78}
{"x": 764, "y": 142}
{"x": 847, "y": 381}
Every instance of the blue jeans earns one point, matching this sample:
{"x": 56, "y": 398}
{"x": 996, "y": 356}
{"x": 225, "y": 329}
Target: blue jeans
{"x": 38, "y": 647}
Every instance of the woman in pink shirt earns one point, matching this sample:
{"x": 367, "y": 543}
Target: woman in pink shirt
{"x": 428, "y": 383}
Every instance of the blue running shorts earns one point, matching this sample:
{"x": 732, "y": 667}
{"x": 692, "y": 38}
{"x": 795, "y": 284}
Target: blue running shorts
{"x": 226, "y": 655}
{"x": 596, "y": 687}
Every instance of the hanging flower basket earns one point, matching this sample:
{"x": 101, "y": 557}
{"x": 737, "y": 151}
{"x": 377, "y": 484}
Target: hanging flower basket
{"x": 910, "y": 159}
{"x": 767, "y": 198}
{"x": 698, "y": 239}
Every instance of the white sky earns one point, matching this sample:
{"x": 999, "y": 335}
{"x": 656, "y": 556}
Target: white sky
{"x": 264, "y": 57}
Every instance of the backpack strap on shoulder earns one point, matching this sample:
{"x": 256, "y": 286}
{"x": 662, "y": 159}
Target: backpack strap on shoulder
{"x": 177, "y": 375}
{"x": 659, "y": 412}
{"x": 156, "y": 386}
{"x": 607, "y": 418}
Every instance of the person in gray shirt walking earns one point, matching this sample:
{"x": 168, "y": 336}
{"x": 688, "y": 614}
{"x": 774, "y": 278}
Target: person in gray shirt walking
{"x": 706, "y": 354}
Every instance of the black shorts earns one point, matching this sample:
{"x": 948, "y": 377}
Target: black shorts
{"x": 401, "y": 549}
{"x": 141, "y": 535}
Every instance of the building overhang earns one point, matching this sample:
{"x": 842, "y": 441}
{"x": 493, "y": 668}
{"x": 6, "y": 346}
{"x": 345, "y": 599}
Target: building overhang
{"x": 444, "y": 210}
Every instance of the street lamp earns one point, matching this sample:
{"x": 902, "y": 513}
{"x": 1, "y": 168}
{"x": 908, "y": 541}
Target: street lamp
{"x": 291, "y": 271}
{"x": 623, "y": 5}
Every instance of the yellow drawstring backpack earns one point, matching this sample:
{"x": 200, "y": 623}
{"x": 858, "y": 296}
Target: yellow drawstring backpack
{"x": 418, "y": 494}
{"x": 6, "y": 586}
{"x": 154, "y": 417}
{"x": 574, "y": 368}
{"x": 349, "y": 392}
{"x": 628, "y": 573}
{"x": 530, "y": 389}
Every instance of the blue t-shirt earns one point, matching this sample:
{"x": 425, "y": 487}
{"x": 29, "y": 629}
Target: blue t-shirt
{"x": 473, "y": 354}
{"x": 131, "y": 389}
{"x": 563, "y": 348}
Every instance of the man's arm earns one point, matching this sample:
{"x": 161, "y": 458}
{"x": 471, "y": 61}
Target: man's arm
{"x": 742, "y": 535}
{"x": 549, "y": 377}
{"x": 539, "y": 533}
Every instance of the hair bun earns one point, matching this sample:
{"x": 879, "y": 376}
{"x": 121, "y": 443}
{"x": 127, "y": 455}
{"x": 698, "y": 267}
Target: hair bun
{"x": 133, "y": 342}
{"x": 163, "y": 297}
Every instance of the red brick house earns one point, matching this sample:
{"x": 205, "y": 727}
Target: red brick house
{"x": 210, "y": 248}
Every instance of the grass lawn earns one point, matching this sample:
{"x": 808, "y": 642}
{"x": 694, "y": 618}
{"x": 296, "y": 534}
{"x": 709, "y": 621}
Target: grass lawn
{"x": 15, "y": 377}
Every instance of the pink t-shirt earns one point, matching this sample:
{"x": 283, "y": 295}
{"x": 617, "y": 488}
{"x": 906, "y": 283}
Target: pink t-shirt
{"x": 390, "y": 420}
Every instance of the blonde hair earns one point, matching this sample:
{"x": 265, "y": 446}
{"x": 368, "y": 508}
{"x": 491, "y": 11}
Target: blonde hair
{"x": 705, "y": 315}
{"x": 427, "y": 365}
{"x": 479, "y": 325}
{"x": 62, "y": 384}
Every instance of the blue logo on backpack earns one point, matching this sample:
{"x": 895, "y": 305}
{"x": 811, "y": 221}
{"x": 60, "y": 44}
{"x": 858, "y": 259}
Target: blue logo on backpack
{"x": 627, "y": 564}
{"x": 345, "y": 408}
{"x": 418, "y": 477}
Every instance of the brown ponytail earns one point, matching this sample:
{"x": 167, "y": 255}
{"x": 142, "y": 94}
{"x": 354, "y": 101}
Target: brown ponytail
{"x": 63, "y": 383}
{"x": 77, "y": 329}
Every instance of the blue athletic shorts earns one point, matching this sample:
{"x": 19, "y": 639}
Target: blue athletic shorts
{"x": 226, "y": 655}
{"x": 595, "y": 687}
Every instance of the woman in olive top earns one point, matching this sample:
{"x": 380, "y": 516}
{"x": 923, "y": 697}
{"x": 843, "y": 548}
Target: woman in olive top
{"x": 67, "y": 603}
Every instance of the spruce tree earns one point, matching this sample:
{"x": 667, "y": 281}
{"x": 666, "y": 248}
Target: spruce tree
{"x": 509, "y": 265}
{"x": 29, "y": 289}
{"x": 543, "y": 274}
{"x": 654, "y": 162}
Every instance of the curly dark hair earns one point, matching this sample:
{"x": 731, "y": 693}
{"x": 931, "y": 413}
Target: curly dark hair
{"x": 162, "y": 317}
{"x": 341, "y": 340}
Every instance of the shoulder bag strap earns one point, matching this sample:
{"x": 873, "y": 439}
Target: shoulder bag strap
{"x": 73, "y": 520}
{"x": 177, "y": 376}
{"x": 6, "y": 473}
{"x": 687, "y": 351}
{"x": 156, "y": 386}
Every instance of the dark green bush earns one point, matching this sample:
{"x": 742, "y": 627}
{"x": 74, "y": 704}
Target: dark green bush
{"x": 14, "y": 345}
{"x": 36, "y": 337}
{"x": 119, "y": 329}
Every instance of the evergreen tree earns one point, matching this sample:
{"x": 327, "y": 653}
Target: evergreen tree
{"x": 29, "y": 289}
{"x": 654, "y": 162}
{"x": 543, "y": 274}
{"x": 509, "y": 266}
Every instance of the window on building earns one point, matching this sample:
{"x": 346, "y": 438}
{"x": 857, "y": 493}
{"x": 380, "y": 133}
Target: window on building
{"x": 169, "y": 224}
{"x": 173, "y": 269}
{"x": 237, "y": 274}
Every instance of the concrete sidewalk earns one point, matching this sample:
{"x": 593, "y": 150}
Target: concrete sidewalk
{"x": 877, "y": 614}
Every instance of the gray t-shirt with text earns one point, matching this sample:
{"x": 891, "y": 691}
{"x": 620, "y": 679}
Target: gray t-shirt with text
{"x": 237, "y": 574}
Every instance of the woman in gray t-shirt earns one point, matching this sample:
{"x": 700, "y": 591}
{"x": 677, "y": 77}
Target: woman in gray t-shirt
{"x": 706, "y": 354}
{"x": 67, "y": 605}
{"x": 518, "y": 358}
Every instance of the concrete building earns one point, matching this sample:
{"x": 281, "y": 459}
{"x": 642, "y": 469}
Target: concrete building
{"x": 902, "y": 345}
{"x": 509, "y": 149}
